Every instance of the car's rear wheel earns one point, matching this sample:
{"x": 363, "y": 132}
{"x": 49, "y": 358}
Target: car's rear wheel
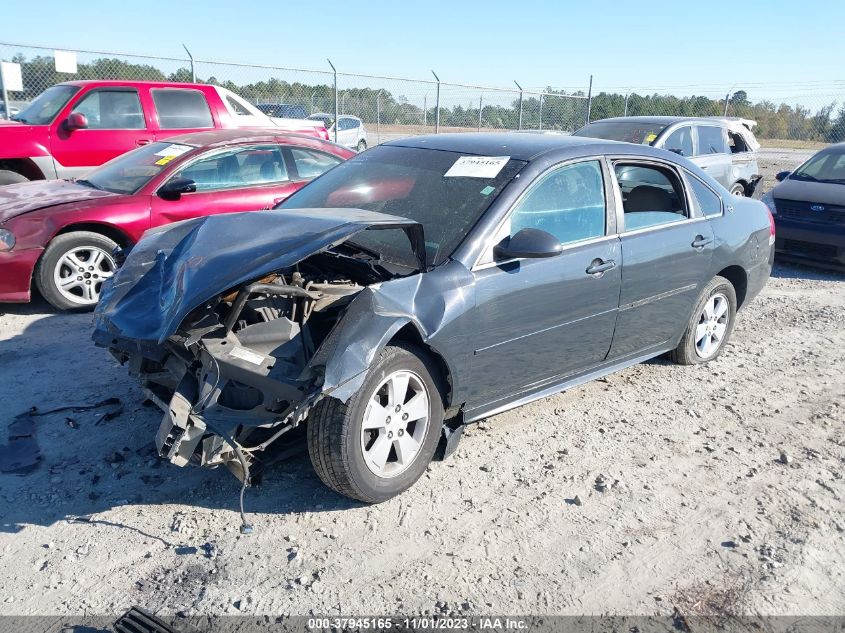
{"x": 11, "y": 177}
{"x": 738, "y": 189}
{"x": 72, "y": 270}
{"x": 362, "y": 145}
{"x": 710, "y": 325}
{"x": 380, "y": 442}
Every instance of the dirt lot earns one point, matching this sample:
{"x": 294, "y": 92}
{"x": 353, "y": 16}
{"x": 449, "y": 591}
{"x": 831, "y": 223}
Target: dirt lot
{"x": 723, "y": 492}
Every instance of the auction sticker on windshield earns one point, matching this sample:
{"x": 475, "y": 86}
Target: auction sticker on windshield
{"x": 173, "y": 150}
{"x": 477, "y": 167}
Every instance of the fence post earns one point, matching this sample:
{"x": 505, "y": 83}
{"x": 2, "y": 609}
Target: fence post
{"x": 437, "y": 105}
{"x": 191, "y": 57}
{"x": 480, "y": 99}
{"x": 541, "y": 111}
{"x": 313, "y": 94}
{"x": 589, "y": 100}
{"x": 378, "y": 117}
{"x": 334, "y": 70}
{"x": 7, "y": 107}
{"x": 627, "y": 94}
{"x": 425, "y": 110}
{"x": 727, "y": 97}
{"x": 520, "y": 104}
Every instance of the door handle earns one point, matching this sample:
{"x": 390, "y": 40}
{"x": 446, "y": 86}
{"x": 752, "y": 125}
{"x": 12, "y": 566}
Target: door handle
{"x": 598, "y": 267}
{"x": 700, "y": 242}
{"x": 143, "y": 141}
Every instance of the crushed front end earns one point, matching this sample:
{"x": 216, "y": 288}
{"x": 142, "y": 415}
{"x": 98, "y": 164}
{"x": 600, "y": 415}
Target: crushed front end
{"x": 224, "y": 344}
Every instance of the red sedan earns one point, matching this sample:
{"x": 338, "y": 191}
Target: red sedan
{"x": 60, "y": 234}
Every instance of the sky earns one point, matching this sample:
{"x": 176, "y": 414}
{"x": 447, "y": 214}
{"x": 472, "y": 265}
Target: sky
{"x": 771, "y": 49}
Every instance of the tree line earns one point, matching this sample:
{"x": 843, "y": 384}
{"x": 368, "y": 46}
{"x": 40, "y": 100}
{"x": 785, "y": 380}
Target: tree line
{"x": 556, "y": 110}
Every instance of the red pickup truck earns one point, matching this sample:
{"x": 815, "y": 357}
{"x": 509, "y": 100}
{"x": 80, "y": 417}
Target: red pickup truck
{"x": 77, "y": 125}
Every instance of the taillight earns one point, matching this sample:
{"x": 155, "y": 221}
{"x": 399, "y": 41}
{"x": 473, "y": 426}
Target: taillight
{"x": 324, "y": 133}
{"x": 771, "y": 227}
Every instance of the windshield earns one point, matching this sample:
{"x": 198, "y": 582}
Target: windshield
{"x": 628, "y": 131}
{"x": 823, "y": 167}
{"x": 47, "y": 105}
{"x": 131, "y": 171}
{"x": 443, "y": 191}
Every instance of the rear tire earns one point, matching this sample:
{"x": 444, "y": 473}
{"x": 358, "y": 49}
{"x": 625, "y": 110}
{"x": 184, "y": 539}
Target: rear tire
{"x": 11, "y": 177}
{"x": 710, "y": 325}
{"x": 738, "y": 189}
{"x": 73, "y": 268}
{"x": 345, "y": 439}
{"x": 362, "y": 145}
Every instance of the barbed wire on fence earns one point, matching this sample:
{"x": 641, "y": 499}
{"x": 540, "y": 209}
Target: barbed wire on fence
{"x": 804, "y": 112}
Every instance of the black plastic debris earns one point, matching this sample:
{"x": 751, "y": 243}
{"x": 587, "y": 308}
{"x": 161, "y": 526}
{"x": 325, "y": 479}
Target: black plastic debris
{"x": 21, "y": 455}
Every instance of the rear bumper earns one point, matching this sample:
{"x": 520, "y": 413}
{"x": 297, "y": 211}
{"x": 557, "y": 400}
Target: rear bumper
{"x": 819, "y": 242}
{"x": 16, "y": 268}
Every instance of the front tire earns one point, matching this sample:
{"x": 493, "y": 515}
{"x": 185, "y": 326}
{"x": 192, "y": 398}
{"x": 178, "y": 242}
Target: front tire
{"x": 710, "y": 325}
{"x": 72, "y": 270}
{"x": 738, "y": 189}
{"x": 379, "y": 443}
{"x": 11, "y": 177}
{"x": 362, "y": 145}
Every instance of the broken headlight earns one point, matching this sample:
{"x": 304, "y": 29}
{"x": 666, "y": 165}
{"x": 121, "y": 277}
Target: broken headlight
{"x": 7, "y": 240}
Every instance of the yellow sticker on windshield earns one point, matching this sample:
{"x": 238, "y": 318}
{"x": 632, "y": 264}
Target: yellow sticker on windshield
{"x": 650, "y": 138}
{"x": 165, "y": 160}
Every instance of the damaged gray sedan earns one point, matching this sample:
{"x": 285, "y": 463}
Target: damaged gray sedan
{"x": 423, "y": 285}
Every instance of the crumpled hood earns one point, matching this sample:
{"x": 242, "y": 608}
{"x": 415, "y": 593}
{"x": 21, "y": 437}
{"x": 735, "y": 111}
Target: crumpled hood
{"x": 174, "y": 269}
{"x": 25, "y": 197}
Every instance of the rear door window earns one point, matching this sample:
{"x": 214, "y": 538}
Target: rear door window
{"x": 180, "y": 108}
{"x": 711, "y": 140}
{"x": 651, "y": 195}
{"x": 709, "y": 202}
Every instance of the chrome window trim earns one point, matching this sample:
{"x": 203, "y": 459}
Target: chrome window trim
{"x": 497, "y": 231}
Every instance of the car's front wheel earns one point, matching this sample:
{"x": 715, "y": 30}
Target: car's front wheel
{"x": 710, "y": 326}
{"x": 362, "y": 145}
{"x": 380, "y": 442}
{"x": 738, "y": 189}
{"x": 72, "y": 270}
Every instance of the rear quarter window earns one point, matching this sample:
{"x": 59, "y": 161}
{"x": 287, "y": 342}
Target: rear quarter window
{"x": 180, "y": 108}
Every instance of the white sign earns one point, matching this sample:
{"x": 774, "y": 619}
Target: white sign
{"x": 477, "y": 167}
{"x": 10, "y": 74}
{"x": 65, "y": 62}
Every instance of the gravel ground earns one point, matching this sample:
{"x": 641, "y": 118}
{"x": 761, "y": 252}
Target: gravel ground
{"x": 716, "y": 488}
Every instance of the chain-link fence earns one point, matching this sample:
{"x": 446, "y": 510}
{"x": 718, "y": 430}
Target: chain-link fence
{"x": 792, "y": 119}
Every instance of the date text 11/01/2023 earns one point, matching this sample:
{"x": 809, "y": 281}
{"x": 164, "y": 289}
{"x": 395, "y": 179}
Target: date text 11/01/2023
{"x": 425, "y": 623}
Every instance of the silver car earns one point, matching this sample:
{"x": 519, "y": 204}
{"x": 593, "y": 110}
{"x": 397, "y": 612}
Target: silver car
{"x": 723, "y": 147}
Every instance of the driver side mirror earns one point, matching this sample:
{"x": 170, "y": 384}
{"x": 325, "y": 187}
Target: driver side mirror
{"x": 528, "y": 243}
{"x": 174, "y": 188}
{"x": 76, "y": 121}
{"x": 782, "y": 175}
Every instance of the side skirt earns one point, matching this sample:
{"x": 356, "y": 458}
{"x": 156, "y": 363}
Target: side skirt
{"x": 473, "y": 415}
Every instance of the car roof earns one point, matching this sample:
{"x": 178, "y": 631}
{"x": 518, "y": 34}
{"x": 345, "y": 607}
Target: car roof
{"x": 664, "y": 120}
{"x": 132, "y": 82}
{"x": 215, "y": 138}
{"x": 525, "y": 147}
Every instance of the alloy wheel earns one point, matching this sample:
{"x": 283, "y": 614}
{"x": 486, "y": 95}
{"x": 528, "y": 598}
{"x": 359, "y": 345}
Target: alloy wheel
{"x": 80, "y": 273}
{"x": 712, "y": 325}
{"x": 395, "y": 423}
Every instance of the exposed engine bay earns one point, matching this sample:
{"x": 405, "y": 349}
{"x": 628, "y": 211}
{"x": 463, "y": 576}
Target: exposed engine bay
{"x": 234, "y": 377}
